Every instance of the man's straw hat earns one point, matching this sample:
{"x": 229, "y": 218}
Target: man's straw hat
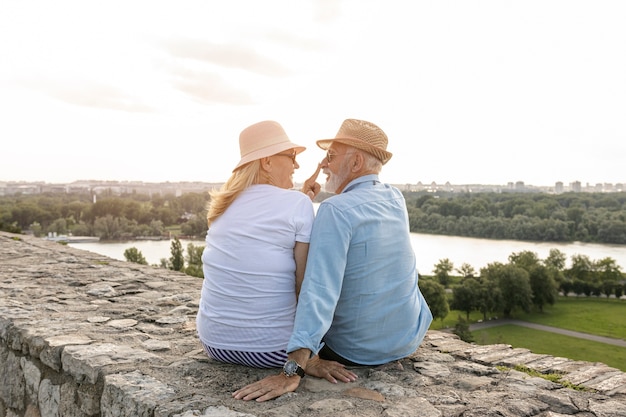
{"x": 362, "y": 135}
{"x": 264, "y": 139}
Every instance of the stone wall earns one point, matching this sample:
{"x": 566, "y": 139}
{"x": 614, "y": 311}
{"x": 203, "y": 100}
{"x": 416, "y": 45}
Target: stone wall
{"x": 85, "y": 335}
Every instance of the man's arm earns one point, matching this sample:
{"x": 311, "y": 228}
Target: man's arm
{"x": 276, "y": 385}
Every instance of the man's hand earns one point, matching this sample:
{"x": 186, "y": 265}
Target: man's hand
{"x": 329, "y": 370}
{"x": 269, "y": 387}
{"x": 310, "y": 186}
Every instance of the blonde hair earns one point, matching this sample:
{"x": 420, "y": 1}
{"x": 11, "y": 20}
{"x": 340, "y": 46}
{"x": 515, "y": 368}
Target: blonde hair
{"x": 241, "y": 179}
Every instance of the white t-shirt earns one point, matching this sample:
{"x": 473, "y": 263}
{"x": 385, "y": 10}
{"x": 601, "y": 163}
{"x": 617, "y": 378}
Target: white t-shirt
{"x": 248, "y": 299}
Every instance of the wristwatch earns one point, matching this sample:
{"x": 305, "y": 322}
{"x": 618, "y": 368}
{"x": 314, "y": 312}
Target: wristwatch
{"x": 291, "y": 368}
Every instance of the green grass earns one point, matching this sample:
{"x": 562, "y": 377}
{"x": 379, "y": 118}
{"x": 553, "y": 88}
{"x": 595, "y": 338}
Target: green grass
{"x": 553, "y": 344}
{"x": 599, "y": 316}
{"x": 174, "y": 230}
{"x": 593, "y": 315}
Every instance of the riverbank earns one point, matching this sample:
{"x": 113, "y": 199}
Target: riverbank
{"x": 429, "y": 250}
{"x": 72, "y": 239}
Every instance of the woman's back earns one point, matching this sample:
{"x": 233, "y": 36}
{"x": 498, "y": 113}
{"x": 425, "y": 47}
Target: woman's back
{"x": 248, "y": 297}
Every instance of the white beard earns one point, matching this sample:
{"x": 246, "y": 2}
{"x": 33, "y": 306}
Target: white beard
{"x": 337, "y": 180}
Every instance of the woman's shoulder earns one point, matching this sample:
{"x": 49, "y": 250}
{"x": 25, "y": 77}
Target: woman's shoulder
{"x": 289, "y": 193}
{"x": 264, "y": 191}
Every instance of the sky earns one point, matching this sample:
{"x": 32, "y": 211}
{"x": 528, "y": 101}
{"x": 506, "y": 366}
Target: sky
{"x": 470, "y": 92}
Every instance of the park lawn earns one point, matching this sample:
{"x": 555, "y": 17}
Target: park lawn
{"x": 593, "y": 315}
{"x": 553, "y": 344}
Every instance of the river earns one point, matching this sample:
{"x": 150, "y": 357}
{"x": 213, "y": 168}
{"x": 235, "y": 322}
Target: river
{"x": 430, "y": 249}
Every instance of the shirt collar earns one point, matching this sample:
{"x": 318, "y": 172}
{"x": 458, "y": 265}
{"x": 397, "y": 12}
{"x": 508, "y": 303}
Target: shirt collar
{"x": 373, "y": 178}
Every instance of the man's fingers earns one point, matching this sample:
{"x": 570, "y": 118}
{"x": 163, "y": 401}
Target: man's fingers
{"x": 313, "y": 177}
{"x": 310, "y": 186}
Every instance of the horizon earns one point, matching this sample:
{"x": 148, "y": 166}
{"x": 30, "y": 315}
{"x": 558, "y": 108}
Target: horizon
{"x": 583, "y": 184}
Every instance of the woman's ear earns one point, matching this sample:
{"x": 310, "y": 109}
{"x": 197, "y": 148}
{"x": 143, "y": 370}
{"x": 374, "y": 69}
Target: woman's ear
{"x": 266, "y": 164}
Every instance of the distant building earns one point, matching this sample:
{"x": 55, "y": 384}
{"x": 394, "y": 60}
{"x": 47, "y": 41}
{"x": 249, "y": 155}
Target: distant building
{"x": 558, "y": 187}
{"x": 110, "y": 188}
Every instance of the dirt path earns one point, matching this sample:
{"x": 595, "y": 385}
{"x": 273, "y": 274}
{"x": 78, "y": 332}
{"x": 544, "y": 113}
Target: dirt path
{"x": 587, "y": 336}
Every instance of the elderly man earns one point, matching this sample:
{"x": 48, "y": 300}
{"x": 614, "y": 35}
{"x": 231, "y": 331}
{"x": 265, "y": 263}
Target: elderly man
{"x": 360, "y": 304}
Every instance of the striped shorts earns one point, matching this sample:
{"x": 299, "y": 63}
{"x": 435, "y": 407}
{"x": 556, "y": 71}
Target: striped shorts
{"x": 251, "y": 359}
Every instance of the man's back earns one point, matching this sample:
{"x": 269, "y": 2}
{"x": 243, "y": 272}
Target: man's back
{"x": 361, "y": 259}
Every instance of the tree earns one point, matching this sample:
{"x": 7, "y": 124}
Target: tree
{"x": 461, "y": 329}
{"x": 541, "y": 278}
{"x": 59, "y": 226}
{"x": 107, "y": 227}
{"x": 435, "y": 296}
{"x": 177, "y": 260}
{"x": 524, "y": 259}
{"x": 515, "y": 288}
{"x": 555, "y": 260}
{"x": 133, "y": 254}
{"x": 442, "y": 271}
{"x": 608, "y": 270}
{"x": 581, "y": 269}
{"x": 513, "y": 284}
{"x": 36, "y": 229}
{"x": 609, "y": 275}
{"x": 195, "y": 226}
{"x": 465, "y": 296}
{"x": 466, "y": 271}
{"x": 488, "y": 294}
{"x": 194, "y": 261}
{"x": 543, "y": 286}
{"x": 10, "y": 227}
{"x": 156, "y": 228}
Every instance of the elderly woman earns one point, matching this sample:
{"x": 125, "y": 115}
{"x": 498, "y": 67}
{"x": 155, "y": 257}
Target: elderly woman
{"x": 255, "y": 254}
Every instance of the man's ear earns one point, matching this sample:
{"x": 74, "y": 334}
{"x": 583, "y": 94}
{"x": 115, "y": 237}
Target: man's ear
{"x": 358, "y": 162}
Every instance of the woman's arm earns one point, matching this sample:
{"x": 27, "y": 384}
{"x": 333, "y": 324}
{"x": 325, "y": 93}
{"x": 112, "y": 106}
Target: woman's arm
{"x": 300, "y": 254}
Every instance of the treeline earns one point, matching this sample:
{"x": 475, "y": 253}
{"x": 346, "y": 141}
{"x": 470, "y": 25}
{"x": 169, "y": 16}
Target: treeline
{"x": 109, "y": 217}
{"x": 568, "y": 217}
{"x": 526, "y": 282}
{"x": 585, "y": 217}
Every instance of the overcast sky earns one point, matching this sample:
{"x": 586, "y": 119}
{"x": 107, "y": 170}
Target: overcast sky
{"x": 467, "y": 91}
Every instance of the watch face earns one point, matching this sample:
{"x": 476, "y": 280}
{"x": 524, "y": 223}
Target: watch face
{"x": 290, "y": 367}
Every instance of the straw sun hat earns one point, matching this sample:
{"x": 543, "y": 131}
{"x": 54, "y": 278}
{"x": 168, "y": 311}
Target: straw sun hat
{"x": 264, "y": 139}
{"x": 362, "y": 135}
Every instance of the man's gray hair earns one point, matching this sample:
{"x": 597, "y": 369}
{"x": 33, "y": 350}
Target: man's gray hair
{"x": 371, "y": 162}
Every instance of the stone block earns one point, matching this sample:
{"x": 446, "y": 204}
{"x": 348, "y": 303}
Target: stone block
{"x": 133, "y": 394}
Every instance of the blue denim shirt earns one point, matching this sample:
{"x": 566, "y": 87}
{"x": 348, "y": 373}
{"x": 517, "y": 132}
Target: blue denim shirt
{"x": 360, "y": 292}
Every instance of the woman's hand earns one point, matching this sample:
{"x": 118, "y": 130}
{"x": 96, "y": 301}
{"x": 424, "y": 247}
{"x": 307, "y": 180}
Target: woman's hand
{"x": 268, "y": 388}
